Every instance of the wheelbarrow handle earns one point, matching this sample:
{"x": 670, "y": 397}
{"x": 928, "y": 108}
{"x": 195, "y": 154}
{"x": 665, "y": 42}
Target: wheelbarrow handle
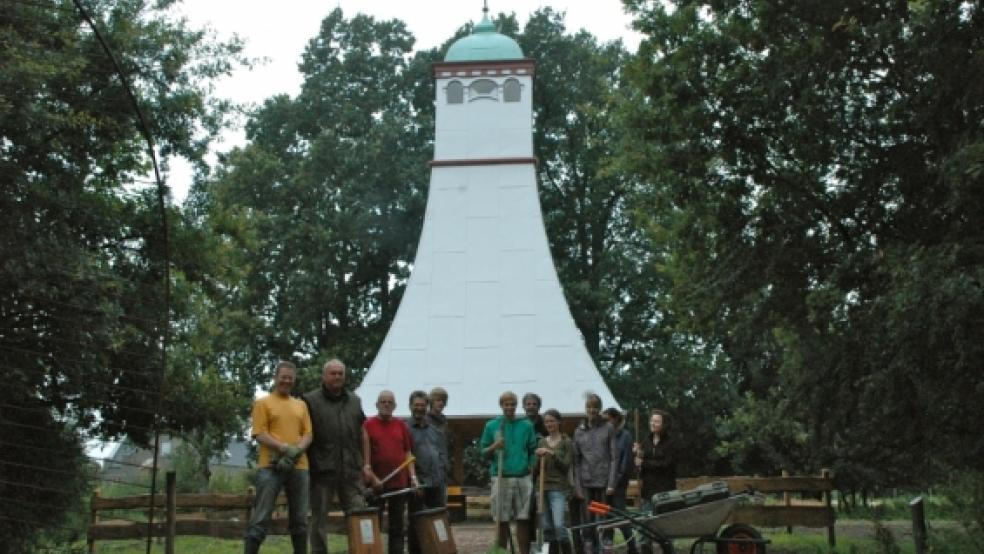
{"x": 599, "y": 508}
{"x": 604, "y": 509}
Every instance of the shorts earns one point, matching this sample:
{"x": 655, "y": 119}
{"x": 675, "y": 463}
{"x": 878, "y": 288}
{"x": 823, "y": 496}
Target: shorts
{"x": 511, "y": 498}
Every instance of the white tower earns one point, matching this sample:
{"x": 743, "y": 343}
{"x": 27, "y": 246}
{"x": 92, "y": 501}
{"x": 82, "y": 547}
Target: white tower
{"x": 483, "y": 310}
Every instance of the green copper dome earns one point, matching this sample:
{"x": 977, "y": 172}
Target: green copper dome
{"x": 485, "y": 43}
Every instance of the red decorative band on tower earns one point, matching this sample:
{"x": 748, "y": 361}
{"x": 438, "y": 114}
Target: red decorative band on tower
{"x": 484, "y": 161}
{"x": 447, "y": 70}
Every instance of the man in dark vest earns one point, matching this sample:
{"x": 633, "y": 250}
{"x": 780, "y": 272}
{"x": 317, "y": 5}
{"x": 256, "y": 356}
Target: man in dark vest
{"x": 335, "y": 454}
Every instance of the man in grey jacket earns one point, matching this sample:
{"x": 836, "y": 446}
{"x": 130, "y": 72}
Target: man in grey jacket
{"x": 431, "y": 462}
{"x": 336, "y": 453}
{"x": 595, "y": 462}
{"x": 437, "y": 400}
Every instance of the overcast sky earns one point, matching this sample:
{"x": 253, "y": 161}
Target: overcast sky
{"x": 279, "y": 31}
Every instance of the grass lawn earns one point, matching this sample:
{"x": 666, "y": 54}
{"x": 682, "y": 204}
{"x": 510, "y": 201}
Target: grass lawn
{"x": 473, "y": 539}
{"x": 205, "y": 545}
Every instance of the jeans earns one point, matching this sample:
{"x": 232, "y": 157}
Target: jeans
{"x": 619, "y": 500}
{"x": 576, "y": 508}
{"x": 430, "y": 497}
{"x": 442, "y": 493}
{"x": 641, "y": 540}
{"x": 268, "y": 485}
{"x": 396, "y": 508}
{"x": 324, "y": 486}
{"x": 589, "y": 534}
{"x": 552, "y": 516}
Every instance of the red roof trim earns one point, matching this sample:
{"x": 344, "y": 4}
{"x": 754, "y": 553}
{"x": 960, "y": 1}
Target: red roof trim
{"x": 468, "y": 66}
{"x": 483, "y": 161}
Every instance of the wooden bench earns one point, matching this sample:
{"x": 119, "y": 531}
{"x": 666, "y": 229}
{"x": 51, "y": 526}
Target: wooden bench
{"x": 457, "y": 504}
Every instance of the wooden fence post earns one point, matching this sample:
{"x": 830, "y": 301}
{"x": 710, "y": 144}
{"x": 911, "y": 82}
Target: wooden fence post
{"x": 251, "y": 493}
{"x": 787, "y": 500}
{"x": 831, "y": 533}
{"x": 918, "y": 525}
{"x": 171, "y": 513}
{"x": 95, "y": 519}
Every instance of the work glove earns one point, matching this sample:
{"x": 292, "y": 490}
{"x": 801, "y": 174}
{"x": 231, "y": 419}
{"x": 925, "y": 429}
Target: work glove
{"x": 293, "y": 452}
{"x": 283, "y": 464}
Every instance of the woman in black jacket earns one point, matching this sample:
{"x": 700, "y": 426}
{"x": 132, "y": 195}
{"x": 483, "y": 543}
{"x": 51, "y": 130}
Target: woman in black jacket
{"x": 656, "y": 458}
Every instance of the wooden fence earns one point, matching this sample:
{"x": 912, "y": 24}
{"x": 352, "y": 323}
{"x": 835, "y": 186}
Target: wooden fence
{"x": 789, "y": 512}
{"x": 231, "y": 511}
{"x": 229, "y": 516}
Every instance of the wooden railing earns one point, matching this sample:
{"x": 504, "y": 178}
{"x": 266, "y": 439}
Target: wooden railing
{"x": 790, "y": 512}
{"x": 168, "y": 523}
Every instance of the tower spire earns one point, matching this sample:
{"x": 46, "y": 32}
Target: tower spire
{"x": 483, "y": 310}
{"x": 485, "y": 8}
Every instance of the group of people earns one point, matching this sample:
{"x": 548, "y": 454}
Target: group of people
{"x": 595, "y": 464}
{"x": 322, "y": 446}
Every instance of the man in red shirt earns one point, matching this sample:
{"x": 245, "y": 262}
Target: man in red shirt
{"x": 389, "y": 445}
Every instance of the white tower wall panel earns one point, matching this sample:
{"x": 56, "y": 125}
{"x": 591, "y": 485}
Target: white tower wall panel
{"x": 484, "y": 311}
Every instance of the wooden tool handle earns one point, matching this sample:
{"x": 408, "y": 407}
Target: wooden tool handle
{"x": 410, "y": 459}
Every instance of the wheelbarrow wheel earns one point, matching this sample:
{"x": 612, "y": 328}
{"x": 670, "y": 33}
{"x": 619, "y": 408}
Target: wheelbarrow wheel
{"x": 740, "y": 531}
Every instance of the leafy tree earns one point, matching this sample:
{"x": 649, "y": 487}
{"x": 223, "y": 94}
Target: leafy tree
{"x": 81, "y": 303}
{"x": 44, "y": 482}
{"x": 610, "y": 273}
{"x": 323, "y": 204}
{"x": 821, "y": 167}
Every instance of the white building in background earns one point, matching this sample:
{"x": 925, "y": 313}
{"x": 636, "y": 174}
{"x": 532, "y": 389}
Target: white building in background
{"x": 484, "y": 311}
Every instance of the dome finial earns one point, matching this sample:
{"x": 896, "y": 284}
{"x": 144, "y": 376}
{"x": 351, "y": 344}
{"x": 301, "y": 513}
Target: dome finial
{"x": 484, "y": 43}
{"x": 485, "y": 25}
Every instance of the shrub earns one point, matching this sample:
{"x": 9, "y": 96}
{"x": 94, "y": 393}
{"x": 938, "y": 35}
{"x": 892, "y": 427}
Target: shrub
{"x": 966, "y": 494}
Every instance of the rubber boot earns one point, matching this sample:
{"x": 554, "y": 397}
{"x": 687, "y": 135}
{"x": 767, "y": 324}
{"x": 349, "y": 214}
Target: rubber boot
{"x": 566, "y": 547}
{"x": 523, "y": 536}
{"x": 251, "y": 546}
{"x": 554, "y": 547}
{"x": 299, "y": 542}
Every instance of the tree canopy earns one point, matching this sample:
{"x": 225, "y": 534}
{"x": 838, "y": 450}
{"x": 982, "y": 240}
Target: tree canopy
{"x": 81, "y": 242}
{"x": 821, "y": 163}
{"x": 325, "y": 202}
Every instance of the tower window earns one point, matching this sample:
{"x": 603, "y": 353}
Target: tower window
{"x": 455, "y": 92}
{"x": 511, "y": 90}
{"x": 482, "y": 88}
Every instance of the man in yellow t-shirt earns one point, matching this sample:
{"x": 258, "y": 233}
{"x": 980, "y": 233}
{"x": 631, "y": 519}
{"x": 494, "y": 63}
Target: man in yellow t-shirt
{"x": 282, "y": 427}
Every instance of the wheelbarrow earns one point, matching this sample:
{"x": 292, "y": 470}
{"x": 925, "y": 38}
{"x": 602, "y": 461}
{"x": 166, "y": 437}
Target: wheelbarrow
{"x": 695, "y": 518}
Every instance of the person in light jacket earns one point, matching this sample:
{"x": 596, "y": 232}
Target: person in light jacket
{"x": 595, "y": 463}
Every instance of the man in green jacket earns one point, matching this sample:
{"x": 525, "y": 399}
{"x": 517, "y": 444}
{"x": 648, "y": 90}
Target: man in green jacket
{"x": 510, "y": 442}
{"x": 336, "y": 451}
